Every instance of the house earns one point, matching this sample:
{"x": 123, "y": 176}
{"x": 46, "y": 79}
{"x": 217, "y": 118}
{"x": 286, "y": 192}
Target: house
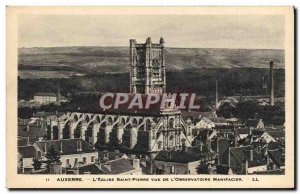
{"x": 25, "y": 158}
{"x": 270, "y": 136}
{"x": 220, "y": 146}
{"x": 212, "y": 122}
{"x": 27, "y": 134}
{"x": 205, "y": 123}
{"x": 276, "y": 159}
{"x": 233, "y": 121}
{"x": 263, "y": 102}
{"x": 108, "y": 156}
{"x": 230, "y": 101}
{"x": 120, "y": 166}
{"x": 246, "y": 159}
{"x": 45, "y": 98}
{"x": 219, "y": 121}
{"x": 255, "y": 123}
{"x": 72, "y": 151}
{"x": 175, "y": 162}
{"x": 243, "y": 132}
{"x": 277, "y": 135}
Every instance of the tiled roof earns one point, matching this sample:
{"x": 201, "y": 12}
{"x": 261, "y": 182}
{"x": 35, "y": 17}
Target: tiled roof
{"x": 27, "y": 151}
{"x": 23, "y": 141}
{"x": 33, "y": 131}
{"x": 223, "y": 145}
{"x": 22, "y": 130}
{"x": 276, "y": 134}
{"x": 277, "y": 156}
{"x": 218, "y": 119}
{"x": 221, "y": 169}
{"x": 117, "y": 166}
{"x": 176, "y": 156}
{"x": 243, "y": 153}
{"x": 197, "y": 152}
{"x": 110, "y": 155}
{"x": 257, "y": 132}
{"x": 90, "y": 168}
{"x": 274, "y": 145}
{"x": 243, "y": 130}
{"x": 69, "y": 146}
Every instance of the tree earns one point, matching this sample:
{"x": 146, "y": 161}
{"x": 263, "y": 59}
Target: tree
{"x": 247, "y": 109}
{"x": 37, "y": 164}
{"x": 226, "y": 110}
{"x": 52, "y": 156}
{"x": 202, "y": 168}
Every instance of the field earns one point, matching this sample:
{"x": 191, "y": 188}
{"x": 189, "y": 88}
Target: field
{"x": 116, "y": 59}
{"x": 102, "y": 69}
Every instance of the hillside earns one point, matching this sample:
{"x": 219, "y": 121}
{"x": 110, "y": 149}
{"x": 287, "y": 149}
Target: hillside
{"x": 72, "y": 60}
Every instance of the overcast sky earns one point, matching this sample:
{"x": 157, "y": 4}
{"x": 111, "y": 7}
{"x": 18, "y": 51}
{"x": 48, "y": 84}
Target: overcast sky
{"x": 178, "y": 31}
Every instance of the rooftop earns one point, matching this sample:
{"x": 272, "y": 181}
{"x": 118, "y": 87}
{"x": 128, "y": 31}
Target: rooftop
{"x": 68, "y": 146}
{"x": 27, "y": 151}
{"x": 117, "y": 166}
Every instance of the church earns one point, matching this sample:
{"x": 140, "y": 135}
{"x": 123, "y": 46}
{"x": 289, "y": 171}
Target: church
{"x": 135, "y": 131}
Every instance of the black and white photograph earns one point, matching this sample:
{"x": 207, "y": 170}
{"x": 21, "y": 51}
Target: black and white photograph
{"x": 140, "y": 94}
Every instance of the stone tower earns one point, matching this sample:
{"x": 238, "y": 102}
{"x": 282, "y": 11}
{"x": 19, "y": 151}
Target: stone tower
{"x": 147, "y": 61}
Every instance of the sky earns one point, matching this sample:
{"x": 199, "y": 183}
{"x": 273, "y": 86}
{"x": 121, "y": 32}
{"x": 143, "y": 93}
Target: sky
{"x": 183, "y": 31}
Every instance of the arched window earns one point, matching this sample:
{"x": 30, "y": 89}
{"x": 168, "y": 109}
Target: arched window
{"x": 171, "y": 141}
{"x": 159, "y": 144}
{"x": 110, "y": 120}
{"x": 134, "y": 121}
{"x": 123, "y": 121}
{"x": 171, "y": 123}
{"x": 87, "y": 118}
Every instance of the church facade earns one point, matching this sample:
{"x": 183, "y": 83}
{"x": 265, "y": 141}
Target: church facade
{"x": 147, "y": 131}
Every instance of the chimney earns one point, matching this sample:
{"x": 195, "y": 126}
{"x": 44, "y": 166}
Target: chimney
{"x": 169, "y": 156}
{"x": 217, "y": 145}
{"x": 55, "y": 168}
{"x": 217, "y": 100}
{"x": 28, "y": 140}
{"x": 271, "y": 84}
{"x": 268, "y": 160}
{"x": 235, "y": 137}
{"x": 45, "y": 148}
{"x": 218, "y": 150}
{"x": 201, "y": 146}
{"x": 136, "y": 163}
{"x": 79, "y": 146}
{"x": 251, "y": 155}
{"x": 208, "y": 141}
{"x": 246, "y": 166}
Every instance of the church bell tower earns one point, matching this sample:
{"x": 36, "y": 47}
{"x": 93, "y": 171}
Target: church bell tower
{"x": 147, "y": 61}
